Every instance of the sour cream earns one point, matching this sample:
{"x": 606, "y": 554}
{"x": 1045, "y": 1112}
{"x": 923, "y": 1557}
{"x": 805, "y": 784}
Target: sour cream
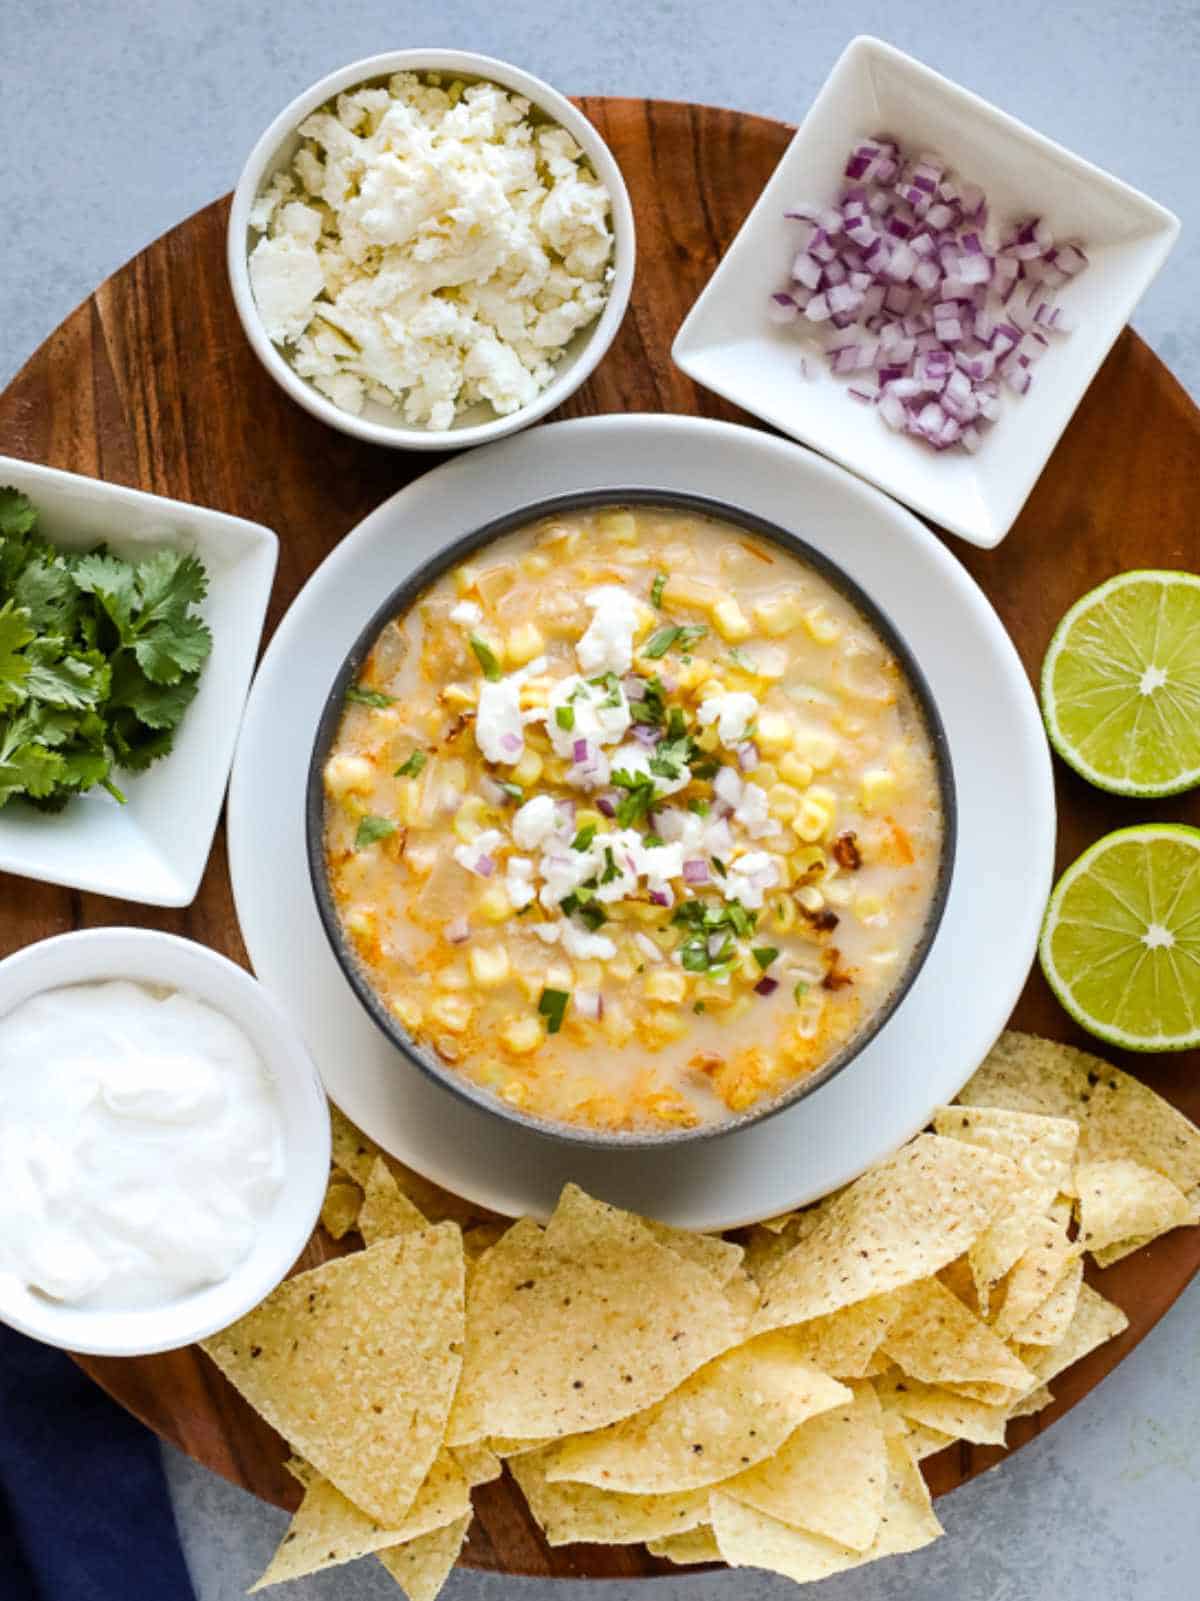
{"x": 140, "y": 1145}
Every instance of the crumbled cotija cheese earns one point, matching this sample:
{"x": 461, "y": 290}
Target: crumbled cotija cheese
{"x": 430, "y": 248}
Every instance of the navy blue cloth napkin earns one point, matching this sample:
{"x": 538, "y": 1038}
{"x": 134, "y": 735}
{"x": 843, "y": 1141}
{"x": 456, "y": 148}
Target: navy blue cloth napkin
{"x": 84, "y": 1512}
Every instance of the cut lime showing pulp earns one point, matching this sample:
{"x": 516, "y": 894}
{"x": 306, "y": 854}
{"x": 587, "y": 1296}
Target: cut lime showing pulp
{"x": 1121, "y": 684}
{"x": 1121, "y": 942}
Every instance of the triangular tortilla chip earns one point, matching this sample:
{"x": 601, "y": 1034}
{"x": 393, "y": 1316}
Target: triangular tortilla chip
{"x": 1047, "y": 1323}
{"x": 386, "y": 1211}
{"x": 844, "y": 1344}
{"x": 339, "y": 1210}
{"x": 355, "y": 1153}
{"x": 750, "y": 1539}
{"x": 1096, "y": 1321}
{"x": 580, "y": 1325}
{"x": 422, "y": 1566}
{"x": 328, "y": 1530}
{"x": 828, "y": 1477}
{"x": 1035, "y": 1401}
{"x": 1120, "y": 1200}
{"x": 1043, "y": 1148}
{"x": 1036, "y": 1275}
{"x": 477, "y": 1463}
{"x": 697, "y": 1545}
{"x": 939, "y": 1340}
{"x": 902, "y": 1221}
{"x": 737, "y": 1410}
{"x": 354, "y": 1356}
{"x": 1117, "y": 1114}
{"x": 721, "y": 1257}
{"x": 942, "y": 1409}
{"x": 570, "y": 1512}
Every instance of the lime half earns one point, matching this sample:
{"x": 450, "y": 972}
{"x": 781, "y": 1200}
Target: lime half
{"x": 1121, "y": 942}
{"x": 1121, "y": 684}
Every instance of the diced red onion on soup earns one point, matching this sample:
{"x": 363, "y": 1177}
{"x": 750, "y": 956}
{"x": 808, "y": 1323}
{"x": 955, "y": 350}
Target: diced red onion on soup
{"x": 606, "y": 804}
{"x": 660, "y": 897}
{"x": 747, "y": 755}
{"x": 511, "y": 743}
{"x": 920, "y": 294}
{"x": 695, "y": 872}
{"x": 484, "y": 865}
{"x": 766, "y": 986}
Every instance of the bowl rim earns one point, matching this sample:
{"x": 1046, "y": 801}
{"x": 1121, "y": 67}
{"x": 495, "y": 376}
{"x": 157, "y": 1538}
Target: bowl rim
{"x": 464, "y": 63}
{"x": 404, "y": 596}
{"x": 148, "y": 956}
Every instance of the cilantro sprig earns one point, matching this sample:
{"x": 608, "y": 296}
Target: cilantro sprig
{"x": 99, "y": 659}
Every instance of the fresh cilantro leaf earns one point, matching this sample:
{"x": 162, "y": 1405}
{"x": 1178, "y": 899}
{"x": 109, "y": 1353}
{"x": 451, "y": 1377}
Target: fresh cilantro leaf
{"x": 172, "y": 648}
{"x": 694, "y": 955}
{"x": 553, "y": 1006}
{"x": 114, "y": 584}
{"x": 719, "y": 867}
{"x": 611, "y": 870}
{"x": 661, "y": 641}
{"x": 412, "y": 768}
{"x": 486, "y": 657}
{"x": 29, "y": 770}
{"x": 372, "y": 829}
{"x": 584, "y": 837}
{"x": 671, "y": 756}
{"x": 707, "y": 768}
{"x": 168, "y": 583}
{"x": 68, "y": 681}
{"x": 15, "y": 634}
{"x": 676, "y": 723}
{"x": 656, "y": 589}
{"x": 739, "y": 659}
{"x": 46, "y": 590}
{"x": 641, "y": 793}
{"x": 363, "y": 695}
{"x": 159, "y": 706}
{"x": 135, "y": 744}
{"x": 764, "y": 955}
{"x": 18, "y": 515}
{"x": 700, "y": 807}
{"x": 564, "y": 716}
{"x": 652, "y": 841}
{"x": 592, "y": 915}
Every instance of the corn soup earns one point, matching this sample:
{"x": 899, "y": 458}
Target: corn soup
{"x": 633, "y": 819}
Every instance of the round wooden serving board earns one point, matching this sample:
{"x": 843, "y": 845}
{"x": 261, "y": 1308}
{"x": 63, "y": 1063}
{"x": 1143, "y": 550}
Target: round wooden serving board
{"x": 151, "y": 383}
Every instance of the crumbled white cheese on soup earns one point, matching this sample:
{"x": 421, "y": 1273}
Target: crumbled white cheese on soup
{"x": 431, "y": 248}
{"x": 466, "y": 612}
{"x": 732, "y": 713}
{"x": 607, "y": 646}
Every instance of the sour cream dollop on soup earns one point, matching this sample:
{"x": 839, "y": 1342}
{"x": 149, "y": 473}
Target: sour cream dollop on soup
{"x": 633, "y": 819}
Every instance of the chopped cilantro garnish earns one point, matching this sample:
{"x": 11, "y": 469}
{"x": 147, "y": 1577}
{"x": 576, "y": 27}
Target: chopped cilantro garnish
{"x": 486, "y": 657}
{"x": 584, "y": 837}
{"x": 694, "y": 955}
{"x": 671, "y": 756}
{"x": 739, "y": 659}
{"x": 553, "y": 1006}
{"x": 656, "y": 589}
{"x": 676, "y": 723}
{"x": 652, "y": 841}
{"x": 641, "y": 793}
{"x": 719, "y": 867}
{"x": 764, "y": 955}
{"x": 371, "y": 829}
{"x": 661, "y": 641}
{"x": 611, "y": 684}
{"x": 361, "y": 695}
{"x": 413, "y": 766}
{"x": 701, "y": 808}
{"x": 611, "y": 870}
{"x": 800, "y": 991}
{"x": 513, "y": 791}
{"x": 592, "y": 915}
{"x": 564, "y": 716}
{"x": 699, "y": 1007}
{"x": 706, "y": 769}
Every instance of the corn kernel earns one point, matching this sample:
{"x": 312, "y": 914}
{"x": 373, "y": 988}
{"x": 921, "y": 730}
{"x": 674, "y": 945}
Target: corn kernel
{"x": 839, "y": 894}
{"x": 585, "y": 817}
{"x": 807, "y": 861}
{"x": 732, "y": 622}
{"x": 773, "y": 733}
{"x": 796, "y": 771}
{"x": 691, "y": 674}
{"x": 782, "y": 915}
{"x": 421, "y": 860}
{"x": 679, "y": 591}
{"x": 622, "y": 971}
{"x": 810, "y": 897}
{"x": 408, "y": 801}
{"x": 709, "y": 739}
{"x": 522, "y": 1035}
{"x": 778, "y": 614}
{"x": 458, "y": 696}
{"x": 528, "y": 770}
{"x": 524, "y": 643}
{"x": 531, "y": 985}
{"x": 764, "y": 775}
{"x": 452, "y": 1012}
{"x": 361, "y": 921}
{"x": 468, "y": 820}
{"x": 821, "y": 626}
{"x": 515, "y": 1093}
{"x": 407, "y": 1010}
{"x": 489, "y": 965}
{"x": 659, "y": 1027}
{"x": 620, "y": 526}
{"x": 870, "y": 909}
{"x": 813, "y": 820}
{"x": 494, "y": 905}
{"x": 617, "y": 1027}
{"x": 878, "y": 788}
{"x": 816, "y": 748}
{"x": 783, "y": 802}
{"x": 348, "y": 775}
{"x": 465, "y": 579}
{"x": 665, "y": 984}
{"x": 536, "y": 564}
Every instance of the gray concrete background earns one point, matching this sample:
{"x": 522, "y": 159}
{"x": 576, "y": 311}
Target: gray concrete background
{"x": 120, "y": 117}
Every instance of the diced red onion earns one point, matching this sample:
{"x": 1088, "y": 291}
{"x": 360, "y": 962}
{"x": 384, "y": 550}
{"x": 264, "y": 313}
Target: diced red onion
{"x": 607, "y": 805}
{"x": 511, "y": 743}
{"x": 660, "y": 897}
{"x": 747, "y": 755}
{"x": 783, "y": 309}
{"x": 581, "y": 751}
{"x": 485, "y": 865}
{"x": 645, "y": 735}
{"x": 695, "y": 872}
{"x": 766, "y": 986}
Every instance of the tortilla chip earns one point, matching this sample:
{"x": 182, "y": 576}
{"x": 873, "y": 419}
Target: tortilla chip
{"x": 1036, "y": 1275}
{"x": 937, "y": 1339}
{"x": 303, "y": 1472}
{"x": 924, "y": 1441}
{"x": 1121, "y": 1200}
{"x": 329, "y": 1530}
{"x": 339, "y": 1210}
{"x": 844, "y": 1344}
{"x": 355, "y": 1356}
{"x": 579, "y": 1325}
{"x": 736, "y": 1411}
{"x": 697, "y": 1545}
{"x": 828, "y": 1477}
{"x": 721, "y": 1257}
{"x": 477, "y": 1463}
{"x": 941, "y": 1409}
{"x": 354, "y": 1152}
{"x": 1120, "y": 1249}
{"x": 750, "y": 1539}
{"x": 386, "y": 1211}
{"x": 1047, "y": 1324}
{"x": 743, "y": 1297}
{"x": 1042, "y": 1147}
{"x": 570, "y": 1512}
{"x": 1035, "y": 1401}
{"x": 902, "y": 1221}
{"x": 504, "y": 1447}
{"x": 777, "y": 1224}
{"x": 1095, "y": 1322}
{"x": 1117, "y": 1114}
{"x": 422, "y": 1566}
{"x": 481, "y": 1237}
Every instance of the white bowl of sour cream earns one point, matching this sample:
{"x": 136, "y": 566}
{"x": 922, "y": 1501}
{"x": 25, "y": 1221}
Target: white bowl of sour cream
{"x": 164, "y": 1142}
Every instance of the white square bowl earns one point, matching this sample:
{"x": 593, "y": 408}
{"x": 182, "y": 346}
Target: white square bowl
{"x": 154, "y": 847}
{"x": 728, "y": 344}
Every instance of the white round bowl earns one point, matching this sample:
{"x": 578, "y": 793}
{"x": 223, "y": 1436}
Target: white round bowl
{"x": 94, "y": 954}
{"x": 276, "y": 149}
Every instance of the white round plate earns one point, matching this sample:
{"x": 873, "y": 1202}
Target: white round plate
{"x": 979, "y": 960}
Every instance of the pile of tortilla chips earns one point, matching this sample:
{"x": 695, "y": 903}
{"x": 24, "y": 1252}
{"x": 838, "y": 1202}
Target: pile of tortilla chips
{"x": 763, "y": 1400}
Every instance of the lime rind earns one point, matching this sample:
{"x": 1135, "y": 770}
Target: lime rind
{"x": 1127, "y": 919}
{"x": 1115, "y": 696}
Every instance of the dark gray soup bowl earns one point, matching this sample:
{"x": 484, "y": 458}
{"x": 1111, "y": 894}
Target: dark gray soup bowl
{"x": 404, "y": 596}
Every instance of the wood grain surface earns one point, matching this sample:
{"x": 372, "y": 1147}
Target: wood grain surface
{"x": 151, "y": 382}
